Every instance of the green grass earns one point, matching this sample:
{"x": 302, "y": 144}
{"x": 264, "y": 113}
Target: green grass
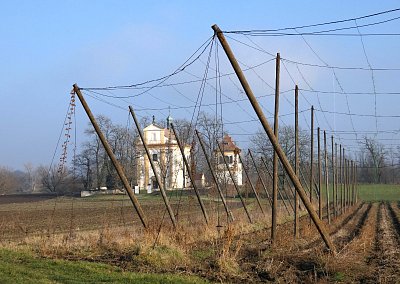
{"x": 377, "y": 192}
{"x": 23, "y": 267}
{"x": 371, "y": 192}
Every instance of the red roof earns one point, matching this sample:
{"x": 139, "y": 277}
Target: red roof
{"x": 227, "y": 144}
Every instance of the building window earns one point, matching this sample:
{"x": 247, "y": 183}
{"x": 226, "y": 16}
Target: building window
{"x": 155, "y": 157}
{"x": 228, "y": 159}
{"x": 153, "y": 136}
{"x": 155, "y": 184}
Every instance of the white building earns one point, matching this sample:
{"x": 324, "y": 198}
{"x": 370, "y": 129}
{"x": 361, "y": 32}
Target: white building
{"x": 166, "y": 156}
{"x": 231, "y": 153}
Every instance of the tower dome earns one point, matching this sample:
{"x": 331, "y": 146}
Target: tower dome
{"x": 169, "y": 121}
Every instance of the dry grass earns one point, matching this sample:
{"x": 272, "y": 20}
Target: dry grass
{"x": 234, "y": 252}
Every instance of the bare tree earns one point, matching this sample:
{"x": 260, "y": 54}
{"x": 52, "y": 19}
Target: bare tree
{"x": 8, "y": 181}
{"x": 52, "y": 179}
{"x": 31, "y": 173}
{"x": 374, "y": 159}
{"x": 93, "y": 164}
{"x": 211, "y": 129}
{"x": 261, "y": 144}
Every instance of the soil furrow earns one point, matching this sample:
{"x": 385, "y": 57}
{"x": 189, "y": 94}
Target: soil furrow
{"x": 347, "y": 219}
{"x": 352, "y": 229}
{"x": 386, "y": 256}
{"x": 395, "y": 219}
{"x": 342, "y": 224}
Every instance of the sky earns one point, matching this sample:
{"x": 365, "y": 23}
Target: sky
{"x": 47, "y": 46}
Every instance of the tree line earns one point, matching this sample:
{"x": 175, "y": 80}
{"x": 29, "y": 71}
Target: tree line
{"x": 91, "y": 167}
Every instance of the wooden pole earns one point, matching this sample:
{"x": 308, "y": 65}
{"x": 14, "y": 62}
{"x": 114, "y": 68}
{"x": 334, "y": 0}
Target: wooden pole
{"x": 234, "y": 183}
{"x": 251, "y": 185}
{"x": 275, "y": 159}
{"x": 347, "y": 184}
{"x": 344, "y": 181}
{"x": 356, "y": 184}
{"x": 319, "y": 176}
{"x": 305, "y": 182}
{"x": 113, "y": 159}
{"x": 190, "y": 173}
{"x": 279, "y": 191}
{"x": 341, "y": 179}
{"x": 153, "y": 167}
{"x": 352, "y": 181}
{"x": 312, "y": 155}
{"x": 277, "y": 147}
{"x": 296, "y": 158}
{"x": 336, "y": 182}
{"x": 261, "y": 180}
{"x": 221, "y": 195}
{"x": 328, "y": 208}
{"x": 285, "y": 182}
{"x": 333, "y": 178}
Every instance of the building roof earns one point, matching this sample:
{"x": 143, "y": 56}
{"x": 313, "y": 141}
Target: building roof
{"x": 227, "y": 144}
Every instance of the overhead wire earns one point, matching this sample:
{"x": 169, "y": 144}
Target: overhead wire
{"x": 320, "y": 24}
{"x": 335, "y": 76}
{"x": 358, "y": 114}
{"x": 328, "y": 32}
{"x": 372, "y": 73}
{"x": 161, "y": 82}
{"x": 162, "y": 79}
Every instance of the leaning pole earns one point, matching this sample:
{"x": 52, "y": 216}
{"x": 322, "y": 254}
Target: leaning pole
{"x": 281, "y": 154}
{"x": 113, "y": 159}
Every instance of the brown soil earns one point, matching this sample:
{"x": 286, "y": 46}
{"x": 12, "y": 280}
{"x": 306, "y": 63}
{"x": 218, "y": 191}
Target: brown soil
{"x": 366, "y": 236}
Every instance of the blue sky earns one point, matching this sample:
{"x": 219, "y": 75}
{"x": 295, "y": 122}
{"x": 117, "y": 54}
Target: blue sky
{"x": 47, "y": 46}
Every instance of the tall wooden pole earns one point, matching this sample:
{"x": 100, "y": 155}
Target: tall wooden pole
{"x": 336, "y": 182}
{"x": 275, "y": 159}
{"x": 153, "y": 167}
{"x": 279, "y": 191}
{"x": 347, "y": 184}
{"x": 319, "y": 175}
{"x": 113, "y": 159}
{"x": 353, "y": 199}
{"x": 344, "y": 181}
{"x": 352, "y": 182}
{"x": 286, "y": 181}
{"x": 261, "y": 180}
{"x": 296, "y": 158}
{"x": 234, "y": 183}
{"x": 341, "y": 179}
{"x": 277, "y": 147}
{"x": 305, "y": 182}
{"x": 190, "y": 173}
{"x": 333, "y": 178}
{"x": 221, "y": 195}
{"x": 251, "y": 185}
{"x": 328, "y": 208}
{"x": 356, "y": 177}
{"x": 312, "y": 155}
{"x": 350, "y": 178}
